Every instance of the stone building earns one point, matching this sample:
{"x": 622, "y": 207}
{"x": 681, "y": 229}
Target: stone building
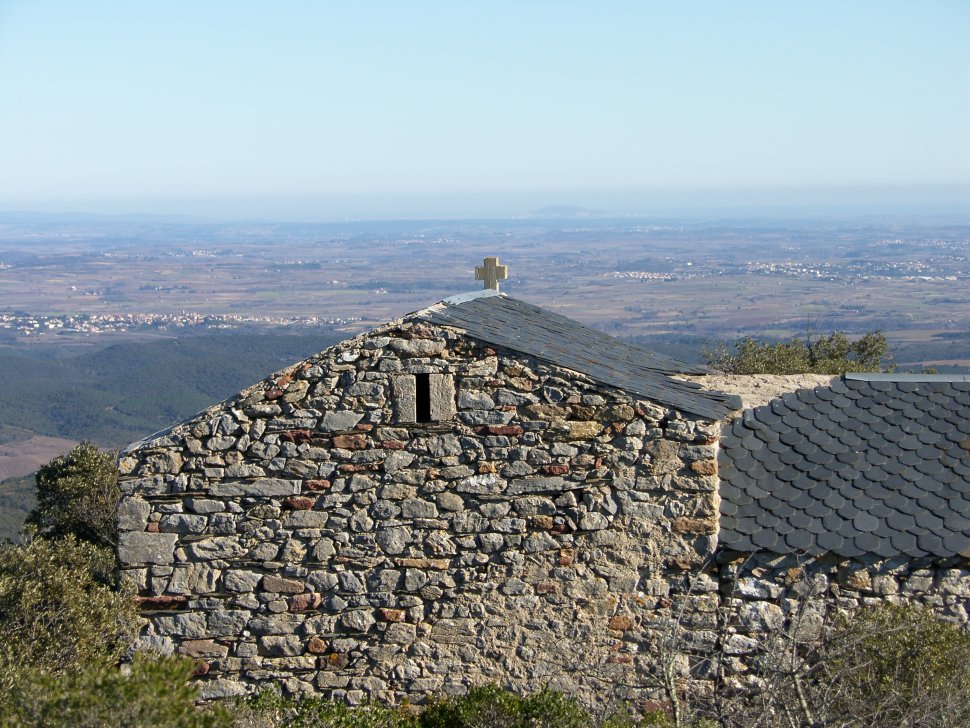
{"x": 484, "y": 491}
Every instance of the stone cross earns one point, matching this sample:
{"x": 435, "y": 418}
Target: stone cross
{"x": 491, "y": 272}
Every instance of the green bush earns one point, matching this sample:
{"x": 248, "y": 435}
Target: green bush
{"x": 268, "y": 710}
{"x": 492, "y": 707}
{"x": 154, "y": 692}
{"x": 897, "y": 665}
{"x": 56, "y": 610}
{"x": 77, "y": 495}
{"x": 832, "y": 354}
{"x": 483, "y": 707}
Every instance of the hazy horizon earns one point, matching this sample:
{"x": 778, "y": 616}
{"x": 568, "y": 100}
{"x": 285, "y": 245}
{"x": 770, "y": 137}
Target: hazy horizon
{"x": 769, "y": 203}
{"x": 435, "y": 109}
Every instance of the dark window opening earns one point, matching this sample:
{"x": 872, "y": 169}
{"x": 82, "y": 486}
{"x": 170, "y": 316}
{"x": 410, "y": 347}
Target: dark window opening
{"x": 422, "y": 397}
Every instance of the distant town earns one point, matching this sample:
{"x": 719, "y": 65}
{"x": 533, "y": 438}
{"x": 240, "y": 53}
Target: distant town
{"x": 39, "y": 325}
{"x": 628, "y": 276}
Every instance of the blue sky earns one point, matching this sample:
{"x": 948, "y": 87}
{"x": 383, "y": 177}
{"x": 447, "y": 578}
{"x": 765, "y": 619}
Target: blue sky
{"x": 476, "y": 107}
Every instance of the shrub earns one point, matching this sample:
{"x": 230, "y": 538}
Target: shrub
{"x": 493, "y": 707}
{"x": 56, "y": 611}
{"x": 77, "y": 495}
{"x": 896, "y": 665}
{"x": 483, "y": 707}
{"x": 268, "y": 709}
{"x": 832, "y": 354}
{"x": 154, "y": 692}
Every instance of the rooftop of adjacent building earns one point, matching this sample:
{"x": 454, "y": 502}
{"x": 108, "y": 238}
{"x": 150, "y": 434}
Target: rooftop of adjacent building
{"x": 866, "y": 464}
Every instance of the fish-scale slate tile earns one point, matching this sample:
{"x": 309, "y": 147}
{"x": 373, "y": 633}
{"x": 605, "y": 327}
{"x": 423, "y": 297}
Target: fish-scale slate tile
{"x": 871, "y": 464}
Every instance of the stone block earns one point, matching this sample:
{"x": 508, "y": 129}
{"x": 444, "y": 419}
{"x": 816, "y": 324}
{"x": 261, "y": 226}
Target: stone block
{"x": 238, "y": 580}
{"x": 485, "y": 484}
{"x": 136, "y": 547}
{"x": 537, "y": 485}
{"x": 474, "y": 399}
{"x": 442, "y": 390}
{"x": 387, "y": 614}
{"x": 400, "y": 634}
{"x": 756, "y": 588}
{"x": 453, "y": 631}
{"x": 228, "y": 622}
{"x": 693, "y": 525}
{"x": 340, "y": 420}
{"x": 276, "y": 624}
{"x": 202, "y": 648}
{"x": 317, "y": 645}
{"x": 306, "y": 519}
{"x": 584, "y": 430}
{"x": 416, "y": 508}
{"x": 704, "y": 467}
{"x": 305, "y": 602}
{"x": 350, "y": 442}
{"x": 133, "y": 514}
{"x": 593, "y": 522}
{"x": 450, "y": 502}
{"x": 221, "y": 689}
{"x": 193, "y": 579}
{"x": 281, "y": 585}
{"x": 737, "y": 644}
{"x": 218, "y": 547}
{"x": 183, "y": 523}
{"x": 357, "y": 620}
{"x": 324, "y": 550}
{"x": 279, "y": 646}
{"x": 190, "y": 625}
{"x": 404, "y": 388}
{"x": 266, "y": 487}
{"x": 955, "y": 582}
{"x": 167, "y": 461}
{"x": 424, "y": 563}
{"x": 761, "y": 616}
{"x": 204, "y": 505}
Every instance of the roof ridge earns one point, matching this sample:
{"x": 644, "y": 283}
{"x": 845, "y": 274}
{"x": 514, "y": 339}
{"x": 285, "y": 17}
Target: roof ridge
{"x": 551, "y": 337}
{"x": 904, "y": 377}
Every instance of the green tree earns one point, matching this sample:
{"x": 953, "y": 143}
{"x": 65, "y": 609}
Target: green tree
{"x": 77, "y": 495}
{"x": 152, "y": 692}
{"x": 895, "y": 664}
{"x": 58, "y": 610}
{"x": 832, "y": 354}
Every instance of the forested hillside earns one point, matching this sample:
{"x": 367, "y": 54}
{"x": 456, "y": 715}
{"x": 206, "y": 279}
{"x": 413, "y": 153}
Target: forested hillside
{"x": 120, "y": 393}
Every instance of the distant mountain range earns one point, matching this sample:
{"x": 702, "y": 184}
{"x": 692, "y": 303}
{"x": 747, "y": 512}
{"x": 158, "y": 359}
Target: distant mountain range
{"x": 563, "y": 212}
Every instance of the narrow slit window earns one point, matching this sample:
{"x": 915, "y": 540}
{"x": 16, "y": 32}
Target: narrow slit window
{"x": 422, "y": 397}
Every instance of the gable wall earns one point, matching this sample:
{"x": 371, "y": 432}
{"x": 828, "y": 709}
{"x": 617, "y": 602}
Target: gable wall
{"x": 540, "y": 537}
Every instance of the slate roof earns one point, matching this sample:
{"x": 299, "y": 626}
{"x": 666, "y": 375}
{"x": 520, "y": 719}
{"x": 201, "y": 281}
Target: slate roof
{"x": 519, "y": 326}
{"x": 876, "y": 464}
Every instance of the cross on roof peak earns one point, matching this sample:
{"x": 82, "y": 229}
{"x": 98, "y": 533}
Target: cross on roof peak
{"x": 491, "y": 273}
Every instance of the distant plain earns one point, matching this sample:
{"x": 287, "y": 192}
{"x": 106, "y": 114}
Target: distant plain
{"x": 164, "y": 317}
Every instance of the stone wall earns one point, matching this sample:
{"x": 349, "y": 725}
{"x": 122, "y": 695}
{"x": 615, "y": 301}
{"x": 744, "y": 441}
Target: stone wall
{"x": 766, "y": 596}
{"x": 756, "y": 390}
{"x": 540, "y": 530}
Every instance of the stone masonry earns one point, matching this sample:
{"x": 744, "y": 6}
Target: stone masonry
{"x": 538, "y": 530}
{"x": 416, "y": 511}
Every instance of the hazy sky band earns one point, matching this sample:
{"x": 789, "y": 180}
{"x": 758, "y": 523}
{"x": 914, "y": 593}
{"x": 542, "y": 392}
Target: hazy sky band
{"x": 204, "y": 100}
